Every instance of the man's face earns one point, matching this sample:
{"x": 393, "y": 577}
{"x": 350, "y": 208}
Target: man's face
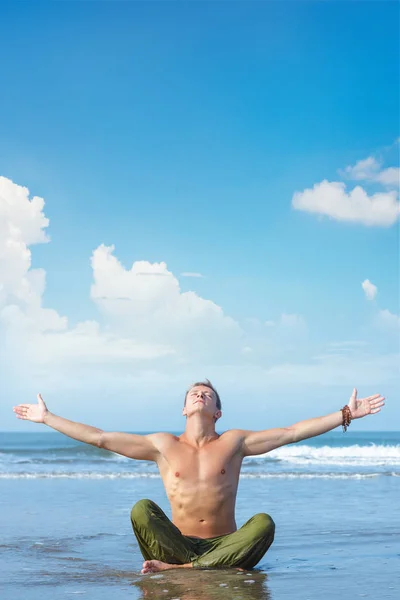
{"x": 201, "y": 399}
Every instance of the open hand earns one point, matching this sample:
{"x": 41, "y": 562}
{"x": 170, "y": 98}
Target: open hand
{"x": 365, "y": 406}
{"x": 32, "y": 412}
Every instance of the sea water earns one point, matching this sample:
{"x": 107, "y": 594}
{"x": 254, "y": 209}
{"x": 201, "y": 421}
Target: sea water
{"x": 65, "y": 528}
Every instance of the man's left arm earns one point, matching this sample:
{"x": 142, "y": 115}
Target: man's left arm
{"x": 259, "y": 442}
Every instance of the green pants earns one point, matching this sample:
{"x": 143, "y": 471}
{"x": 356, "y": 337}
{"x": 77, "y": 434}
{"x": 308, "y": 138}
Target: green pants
{"x": 160, "y": 539}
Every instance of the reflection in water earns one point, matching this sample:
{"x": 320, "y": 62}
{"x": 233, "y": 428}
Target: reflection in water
{"x": 193, "y": 584}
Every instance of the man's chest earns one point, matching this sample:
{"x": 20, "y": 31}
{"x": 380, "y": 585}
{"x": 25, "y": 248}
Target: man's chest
{"x": 204, "y": 464}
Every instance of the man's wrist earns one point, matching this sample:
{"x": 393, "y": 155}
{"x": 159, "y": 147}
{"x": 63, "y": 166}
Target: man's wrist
{"x": 346, "y": 417}
{"x": 46, "y": 416}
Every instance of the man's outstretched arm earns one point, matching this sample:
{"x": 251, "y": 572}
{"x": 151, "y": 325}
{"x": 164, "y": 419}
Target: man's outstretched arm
{"x": 132, "y": 445}
{"x": 259, "y": 442}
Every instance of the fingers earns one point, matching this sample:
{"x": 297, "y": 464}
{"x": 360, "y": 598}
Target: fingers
{"x": 379, "y": 406}
{"x": 373, "y": 397}
{"x": 379, "y": 401}
{"x": 353, "y": 398}
{"x": 21, "y": 410}
{"x": 20, "y": 413}
{"x": 376, "y": 402}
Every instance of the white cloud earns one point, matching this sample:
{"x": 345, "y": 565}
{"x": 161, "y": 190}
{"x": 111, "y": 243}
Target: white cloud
{"x": 21, "y": 219}
{"x": 389, "y": 319}
{"x": 389, "y": 177}
{"x": 22, "y": 224}
{"x": 145, "y": 315}
{"x": 363, "y": 169}
{"x": 150, "y": 336}
{"x": 370, "y": 169}
{"x": 332, "y": 200}
{"x": 370, "y": 289}
{"x": 155, "y": 310}
{"x": 198, "y": 275}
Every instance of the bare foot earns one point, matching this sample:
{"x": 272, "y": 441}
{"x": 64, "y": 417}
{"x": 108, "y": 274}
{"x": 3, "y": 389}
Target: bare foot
{"x": 153, "y": 566}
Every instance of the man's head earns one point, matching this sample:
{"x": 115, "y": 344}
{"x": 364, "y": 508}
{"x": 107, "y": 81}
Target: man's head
{"x": 202, "y": 397}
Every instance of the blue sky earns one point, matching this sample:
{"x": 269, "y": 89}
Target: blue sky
{"x": 180, "y": 133}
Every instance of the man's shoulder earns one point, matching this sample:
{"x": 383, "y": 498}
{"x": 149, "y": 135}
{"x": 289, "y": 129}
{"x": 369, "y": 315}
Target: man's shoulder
{"x": 232, "y": 433}
{"x": 162, "y": 437}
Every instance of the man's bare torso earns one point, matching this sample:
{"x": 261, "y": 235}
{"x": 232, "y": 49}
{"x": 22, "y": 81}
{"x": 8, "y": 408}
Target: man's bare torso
{"x": 201, "y": 483}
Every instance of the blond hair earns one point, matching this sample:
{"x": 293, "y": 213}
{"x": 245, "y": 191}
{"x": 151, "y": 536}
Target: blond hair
{"x": 206, "y": 383}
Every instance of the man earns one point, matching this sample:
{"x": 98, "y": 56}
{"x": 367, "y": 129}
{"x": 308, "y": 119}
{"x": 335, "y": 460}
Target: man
{"x": 200, "y": 471}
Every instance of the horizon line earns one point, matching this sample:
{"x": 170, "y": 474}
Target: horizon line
{"x": 49, "y": 430}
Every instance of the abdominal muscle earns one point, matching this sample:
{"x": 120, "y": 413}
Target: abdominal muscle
{"x": 201, "y": 485}
{"x": 203, "y": 509}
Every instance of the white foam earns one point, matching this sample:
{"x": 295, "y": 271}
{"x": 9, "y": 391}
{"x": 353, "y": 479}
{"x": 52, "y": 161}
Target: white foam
{"x": 312, "y": 475}
{"x": 93, "y": 475}
{"x": 78, "y": 475}
{"x": 373, "y": 455}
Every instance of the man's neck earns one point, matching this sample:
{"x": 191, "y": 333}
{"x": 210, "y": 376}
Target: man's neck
{"x": 199, "y": 432}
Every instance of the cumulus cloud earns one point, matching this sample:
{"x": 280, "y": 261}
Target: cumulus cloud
{"x": 38, "y": 333}
{"x": 334, "y": 201}
{"x": 370, "y": 170}
{"x": 145, "y": 317}
{"x": 22, "y": 224}
{"x": 370, "y": 289}
{"x": 155, "y": 309}
{"x": 150, "y": 335}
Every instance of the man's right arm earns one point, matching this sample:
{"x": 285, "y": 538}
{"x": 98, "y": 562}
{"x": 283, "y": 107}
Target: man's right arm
{"x": 140, "y": 447}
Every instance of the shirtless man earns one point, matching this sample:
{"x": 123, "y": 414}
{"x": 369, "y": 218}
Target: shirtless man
{"x": 200, "y": 471}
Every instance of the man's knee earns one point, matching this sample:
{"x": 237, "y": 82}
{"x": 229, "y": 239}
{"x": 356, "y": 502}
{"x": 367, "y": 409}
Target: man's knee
{"x": 142, "y": 511}
{"x": 264, "y": 525}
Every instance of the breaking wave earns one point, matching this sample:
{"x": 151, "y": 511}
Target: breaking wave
{"x": 372, "y": 455}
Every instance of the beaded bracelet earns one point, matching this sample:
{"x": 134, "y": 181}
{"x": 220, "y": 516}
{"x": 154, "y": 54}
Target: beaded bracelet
{"x": 346, "y": 417}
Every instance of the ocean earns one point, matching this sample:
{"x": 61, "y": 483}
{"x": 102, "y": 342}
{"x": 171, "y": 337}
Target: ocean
{"x": 65, "y": 527}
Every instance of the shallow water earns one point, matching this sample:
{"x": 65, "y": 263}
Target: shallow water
{"x": 336, "y": 537}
